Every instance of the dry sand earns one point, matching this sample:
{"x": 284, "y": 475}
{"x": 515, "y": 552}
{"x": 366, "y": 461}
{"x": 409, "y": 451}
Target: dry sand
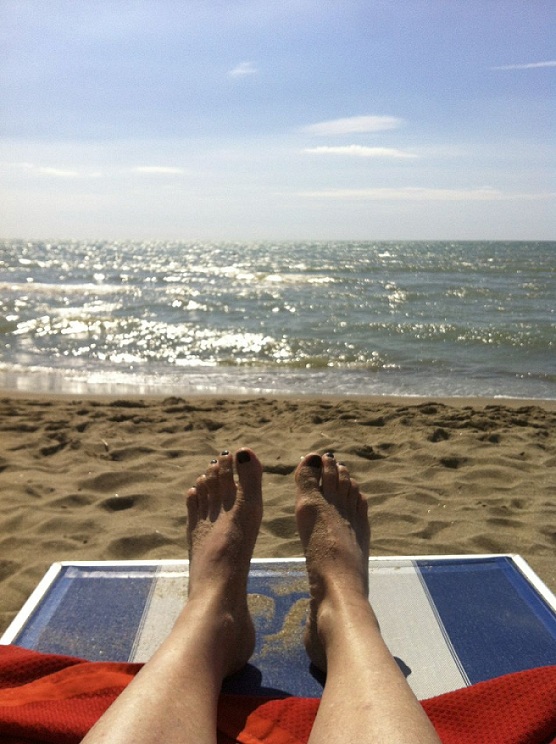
{"x": 103, "y": 479}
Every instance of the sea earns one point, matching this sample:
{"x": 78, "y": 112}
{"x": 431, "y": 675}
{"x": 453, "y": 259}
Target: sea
{"x": 343, "y": 318}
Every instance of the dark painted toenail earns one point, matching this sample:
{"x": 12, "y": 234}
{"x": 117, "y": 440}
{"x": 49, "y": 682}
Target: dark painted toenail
{"x": 213, "y": 462}
{"x": 243, "y": 456}
{"x": 224, "y": 452}
{"x": 330, "y": 454}
{"x": 314, "y": 461}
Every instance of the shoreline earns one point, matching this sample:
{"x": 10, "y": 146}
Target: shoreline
{"x": 268, "y": 381}
{"x": 102, "y": 477}
{"x": 457, "y": 400}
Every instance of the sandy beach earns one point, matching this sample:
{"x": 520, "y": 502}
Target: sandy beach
{"x": 104, "y": 479}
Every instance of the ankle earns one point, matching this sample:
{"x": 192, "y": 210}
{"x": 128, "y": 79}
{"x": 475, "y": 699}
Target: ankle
{"x": 221, "y": 634}
{"x": 340, "y": 612}
{"x": 208, "y": 610}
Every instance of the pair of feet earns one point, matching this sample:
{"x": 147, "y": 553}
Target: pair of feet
{"x": 224, "y": 515}
{"x": 174, "y": 698}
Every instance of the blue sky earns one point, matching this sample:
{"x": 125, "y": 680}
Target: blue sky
{"x": 300, "y": 119}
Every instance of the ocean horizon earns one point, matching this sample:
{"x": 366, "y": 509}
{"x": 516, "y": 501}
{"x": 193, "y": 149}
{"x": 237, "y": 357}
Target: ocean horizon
{"x": 402, "y": 318}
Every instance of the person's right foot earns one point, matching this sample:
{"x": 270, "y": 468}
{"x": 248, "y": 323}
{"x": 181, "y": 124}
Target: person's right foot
{"x": 334, "y": 529}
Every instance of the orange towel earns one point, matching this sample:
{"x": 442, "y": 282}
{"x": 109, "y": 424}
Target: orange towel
{"x": 50, "y": 699}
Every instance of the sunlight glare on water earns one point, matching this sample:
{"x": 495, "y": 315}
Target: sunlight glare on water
{"x": 347, "y": 318}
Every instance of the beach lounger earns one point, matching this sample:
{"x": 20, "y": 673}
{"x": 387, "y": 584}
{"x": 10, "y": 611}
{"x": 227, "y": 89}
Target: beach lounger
{"x": 450, "y": 621}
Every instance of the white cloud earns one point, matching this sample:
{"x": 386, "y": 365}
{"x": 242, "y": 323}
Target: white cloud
{"x": 44, "y": 170}
{"x": 58, "y": 172}
{"x": 157, "y": 170}
{"x": 243, "y": 70}
{"x": 526, "y": 66}
{"x": 359, "y": 151}
{"x": 412, "y": 193}
{"x": 353, "y": 124}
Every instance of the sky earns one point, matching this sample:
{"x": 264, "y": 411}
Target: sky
{"x": 266, "y": 120}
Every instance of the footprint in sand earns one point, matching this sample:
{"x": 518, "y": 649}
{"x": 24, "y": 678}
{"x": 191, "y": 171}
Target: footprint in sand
{"x": 137, "y": 546}
{"x": 121, "y": 503}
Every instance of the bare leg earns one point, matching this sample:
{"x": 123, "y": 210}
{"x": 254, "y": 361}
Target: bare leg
{"x": 366, "y": 697}
{"x": 174, "y": 697}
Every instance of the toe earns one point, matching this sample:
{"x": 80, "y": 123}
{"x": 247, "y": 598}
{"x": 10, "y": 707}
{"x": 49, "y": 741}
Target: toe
{"x": 308, "y": 473}
{"x": 329, "y": 477}
{"x": 362, "y": 505}
{"x": 212, "y": 484}
{"x": 344, "y": 485}
{"x": 201, "y": 491}
{"x": 249, "y": 473}
{"x": 353, "y": 498}
{"x": 192, "y": 505}
{"x": 212, "y": 474}
{"x": 226, "y": 484}
{"x": 348, "y": 490}
{"x": 226, "y": 467}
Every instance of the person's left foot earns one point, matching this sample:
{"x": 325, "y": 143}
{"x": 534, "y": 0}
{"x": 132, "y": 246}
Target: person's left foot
{"x": 224, "y": 517}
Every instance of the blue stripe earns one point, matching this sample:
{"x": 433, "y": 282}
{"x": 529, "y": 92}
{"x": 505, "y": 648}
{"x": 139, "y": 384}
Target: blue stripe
{"x": 91, "y": 617}
{"x": 495, "y": 620}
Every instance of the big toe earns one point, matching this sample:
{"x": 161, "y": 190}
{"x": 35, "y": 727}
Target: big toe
{"x": 249, "y": 474}
{"x": 308, "y": 473}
